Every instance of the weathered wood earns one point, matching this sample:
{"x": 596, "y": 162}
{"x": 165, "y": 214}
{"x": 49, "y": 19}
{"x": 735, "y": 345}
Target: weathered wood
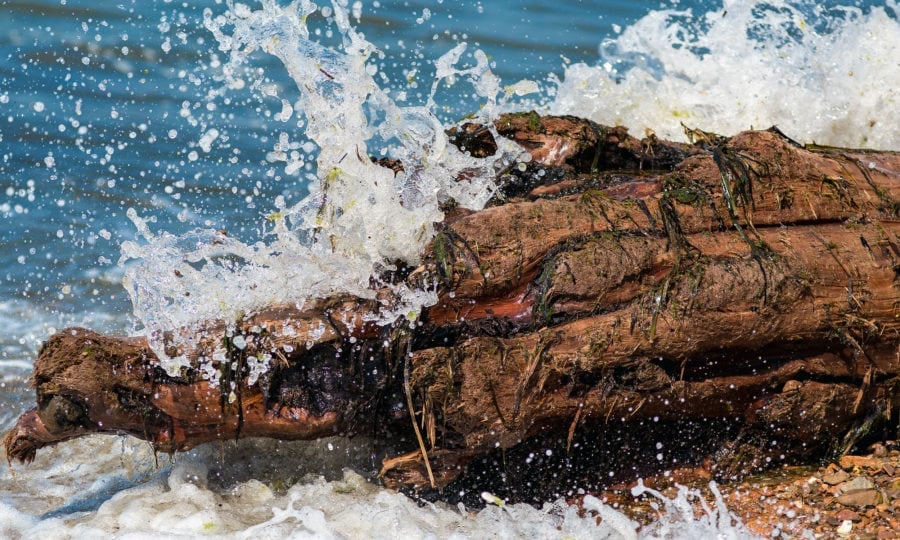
{"x": 746, "y": 279}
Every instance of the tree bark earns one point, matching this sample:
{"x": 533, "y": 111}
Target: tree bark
{"x": 746, "y": 281}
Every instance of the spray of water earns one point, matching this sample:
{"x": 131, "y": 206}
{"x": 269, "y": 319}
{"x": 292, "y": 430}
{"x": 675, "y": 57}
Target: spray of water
{"x": 679, "y": 516}
{"x": 359, "y": 218}
{"x": 824, "y": 74}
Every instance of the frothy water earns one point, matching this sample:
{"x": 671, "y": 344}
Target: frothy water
{"x": 126, "y": 492}
{"x": 822, "y": 73}
{"x": 331, "y": 219}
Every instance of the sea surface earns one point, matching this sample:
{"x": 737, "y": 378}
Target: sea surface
{"x": 107, "y": 107}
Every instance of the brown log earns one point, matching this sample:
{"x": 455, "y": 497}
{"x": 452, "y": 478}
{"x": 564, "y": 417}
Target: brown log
{"x": 747, "y": 282}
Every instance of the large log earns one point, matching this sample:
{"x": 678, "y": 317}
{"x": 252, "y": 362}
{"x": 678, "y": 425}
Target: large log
{"x": 746, "y": 281}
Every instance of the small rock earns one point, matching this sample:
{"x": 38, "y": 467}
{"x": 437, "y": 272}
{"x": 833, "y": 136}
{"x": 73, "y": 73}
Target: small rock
{"x": 847, "y": 514}
{"x": 878, "y": 450}
{"x": 860, "y": 498}
{"x": 888, "y": 469}
{"x": 857, "y": 484}
{"x": 835, "y": 478}
{"x": 845, "y": 528}
{"x": 865, "y": 462}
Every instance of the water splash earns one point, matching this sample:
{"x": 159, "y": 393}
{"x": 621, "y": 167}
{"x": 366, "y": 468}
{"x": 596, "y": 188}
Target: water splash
{"x": 680, "y": 517}
{"x": 359, "y": 219}
{"x": 824, "y": 74}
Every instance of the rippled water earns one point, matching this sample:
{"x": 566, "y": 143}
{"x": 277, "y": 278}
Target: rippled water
{"x": 106, "y": 107}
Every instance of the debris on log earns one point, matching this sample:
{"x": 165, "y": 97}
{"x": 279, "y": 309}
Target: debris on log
{"x": 614, "y": 291}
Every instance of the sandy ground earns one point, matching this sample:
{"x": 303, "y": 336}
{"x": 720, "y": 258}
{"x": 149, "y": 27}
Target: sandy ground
{"x": 857, "y": 496}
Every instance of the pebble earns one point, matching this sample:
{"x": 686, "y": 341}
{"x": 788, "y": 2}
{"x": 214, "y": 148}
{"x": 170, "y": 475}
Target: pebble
{"x": 845, "y": 529}
{"x": 836, "y": 478}
{"x": 847, "y": 514}
{"x": 860, "y": 498}
{"x": 878, "y": 450}
{"x": 858, "y": 483}
{"x": 865, "y": 462}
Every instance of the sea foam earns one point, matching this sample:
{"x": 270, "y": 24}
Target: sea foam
{"x": 122, "y": 492}
{"x": 823, "y": 74}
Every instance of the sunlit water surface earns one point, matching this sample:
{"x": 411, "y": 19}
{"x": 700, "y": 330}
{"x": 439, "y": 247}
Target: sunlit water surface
{"x": 108, "y": 107}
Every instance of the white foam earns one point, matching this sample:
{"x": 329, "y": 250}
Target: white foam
{"x": 97, "y": 499}
{"x": 823, "y": 74}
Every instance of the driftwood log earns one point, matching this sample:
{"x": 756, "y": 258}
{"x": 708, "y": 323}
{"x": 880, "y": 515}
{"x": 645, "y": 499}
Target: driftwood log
{"x": 733, "y": 301}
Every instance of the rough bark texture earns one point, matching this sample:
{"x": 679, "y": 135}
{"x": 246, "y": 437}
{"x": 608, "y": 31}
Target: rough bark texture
{"x": 738, "y": 293}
